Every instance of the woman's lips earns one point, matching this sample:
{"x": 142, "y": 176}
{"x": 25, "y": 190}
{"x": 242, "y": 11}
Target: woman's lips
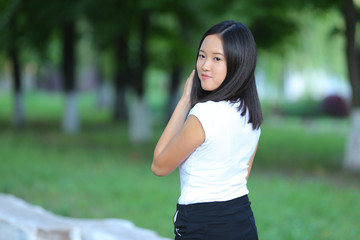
{"x": 204, "y": 76}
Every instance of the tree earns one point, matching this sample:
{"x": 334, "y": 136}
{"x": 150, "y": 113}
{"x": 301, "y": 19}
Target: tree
{"x": 21, "y": 30}
{"x": 350, "y": 13}
{"x": 62, "y": 19}
{"x": 71, "y": 118}
{"x": 48, "y": 18}
{"x": 271, "y": 23}
{"x": 352, "y": 154}
{"x": 111, "y": 24}
{"x": 11, "y": 41}
{"x": 31, "y": 24}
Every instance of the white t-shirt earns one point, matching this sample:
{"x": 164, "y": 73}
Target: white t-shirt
{"x": 217, "y": 169}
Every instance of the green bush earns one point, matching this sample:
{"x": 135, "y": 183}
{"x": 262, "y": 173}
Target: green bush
{"x": 301, "y": 108}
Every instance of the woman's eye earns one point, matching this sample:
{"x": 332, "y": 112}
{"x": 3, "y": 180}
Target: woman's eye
{"x": 201, "y": 56}
{"x": 217, "y": 58}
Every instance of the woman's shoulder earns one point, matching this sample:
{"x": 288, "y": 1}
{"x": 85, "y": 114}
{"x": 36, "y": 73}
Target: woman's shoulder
{"x": 213, "y": 104}
{"x": 215, "y": 110}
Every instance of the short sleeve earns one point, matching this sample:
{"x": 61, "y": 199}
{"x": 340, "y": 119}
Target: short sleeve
{"x": 203, "y": 112}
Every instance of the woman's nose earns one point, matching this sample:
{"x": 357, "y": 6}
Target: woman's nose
{"x": 206, "y": 65}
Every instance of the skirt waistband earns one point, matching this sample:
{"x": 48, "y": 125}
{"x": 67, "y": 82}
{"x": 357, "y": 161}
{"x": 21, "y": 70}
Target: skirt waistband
{"x": 217, "y": 205}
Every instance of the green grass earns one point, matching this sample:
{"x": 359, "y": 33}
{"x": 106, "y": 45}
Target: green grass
{"x": 295, "y": 143}
{"x": 297, "y": 187}
{"x": 94, "y": 175}
{"x": 303, "y": 207}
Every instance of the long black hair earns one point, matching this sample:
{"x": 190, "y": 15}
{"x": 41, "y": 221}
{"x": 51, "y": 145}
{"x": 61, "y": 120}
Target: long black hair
{"x": 239, "y": 84}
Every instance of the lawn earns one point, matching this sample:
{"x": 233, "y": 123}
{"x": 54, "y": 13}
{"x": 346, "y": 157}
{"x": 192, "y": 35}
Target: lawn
{"x": 297, "y": 187}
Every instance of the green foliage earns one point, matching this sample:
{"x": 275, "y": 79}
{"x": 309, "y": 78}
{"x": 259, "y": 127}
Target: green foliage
{"x": 331, "y": 106}
{"x": 301, "y": 108}
{"x": 174, "y": 26}
{"x": 272, "y": 22}
{"x": 319, "y": 44}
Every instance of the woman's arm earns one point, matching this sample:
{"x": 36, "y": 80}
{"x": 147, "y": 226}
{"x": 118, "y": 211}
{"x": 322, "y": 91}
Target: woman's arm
{"x": 180, "y": 138}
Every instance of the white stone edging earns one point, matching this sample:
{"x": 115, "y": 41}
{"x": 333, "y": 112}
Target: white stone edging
{"x": 20, "y": 220}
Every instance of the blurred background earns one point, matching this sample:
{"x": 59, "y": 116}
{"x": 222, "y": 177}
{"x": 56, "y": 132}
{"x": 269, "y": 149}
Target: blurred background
{"x": 86, "y": 87}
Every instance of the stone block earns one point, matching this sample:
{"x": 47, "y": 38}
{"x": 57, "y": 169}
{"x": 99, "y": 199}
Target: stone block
{"x": 11, "y": 232}
{"x": 20, "y": 220}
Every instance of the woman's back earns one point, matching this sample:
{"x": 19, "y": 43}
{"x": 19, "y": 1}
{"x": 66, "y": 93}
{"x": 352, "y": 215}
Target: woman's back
{"x": 217, "y": 170}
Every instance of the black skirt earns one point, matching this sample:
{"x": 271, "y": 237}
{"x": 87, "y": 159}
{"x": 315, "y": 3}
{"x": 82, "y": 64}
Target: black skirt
{"x": 227, "y": 220}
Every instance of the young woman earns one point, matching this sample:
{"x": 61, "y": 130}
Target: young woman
{"x": 212, "y": 137}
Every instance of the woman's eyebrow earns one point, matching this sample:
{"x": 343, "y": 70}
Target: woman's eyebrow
{"x": 220, "y": 53}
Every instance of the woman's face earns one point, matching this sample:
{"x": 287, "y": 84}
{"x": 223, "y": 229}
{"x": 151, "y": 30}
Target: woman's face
{"x": 211, "y": 63}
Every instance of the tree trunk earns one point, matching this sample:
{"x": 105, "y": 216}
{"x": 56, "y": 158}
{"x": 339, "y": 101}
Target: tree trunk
{"x": 18, "y": 114}
{"x": 18, "y": 111}
{"x": 140, "y": 128}
{"x": 120, "y": 108}
{"x": 352, "y": 154}
{"x": 71, "y": 117}
{"x": 139, "y": 74}
{"x": 352, "y": 51}
{"x": 121, "y": 78}
{"x": 101, "y": 101}
{"x": 140, "y": 119}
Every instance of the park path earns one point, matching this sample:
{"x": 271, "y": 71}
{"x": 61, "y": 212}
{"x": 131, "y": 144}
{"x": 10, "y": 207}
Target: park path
{"x": 20, "y": 220}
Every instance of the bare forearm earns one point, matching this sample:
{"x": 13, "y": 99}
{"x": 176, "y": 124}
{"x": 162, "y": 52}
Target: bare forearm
{"x": 174, "y": 125}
